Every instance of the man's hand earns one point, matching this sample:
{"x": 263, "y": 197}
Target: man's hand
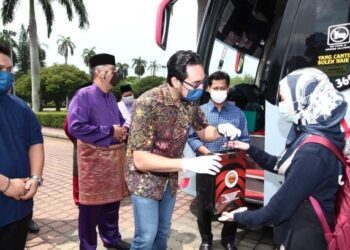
{"x": 31, "y": 188}
{"x": 228, "y": 130}
{"x": 17, "y": 188}
{"x": 207, "y": 164}
{"x": 120, "y": 133}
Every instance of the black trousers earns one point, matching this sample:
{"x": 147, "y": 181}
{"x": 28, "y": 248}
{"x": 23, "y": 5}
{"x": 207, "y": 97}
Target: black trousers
{"x": 13, "y": 236}
{"x": 228, "y": 232}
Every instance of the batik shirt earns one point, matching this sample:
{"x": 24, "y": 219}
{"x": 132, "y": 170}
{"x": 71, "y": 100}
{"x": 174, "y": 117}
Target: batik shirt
{"x": 160, "y": 127}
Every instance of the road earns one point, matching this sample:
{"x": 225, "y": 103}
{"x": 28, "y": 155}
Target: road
{"x": 56, "y": 214}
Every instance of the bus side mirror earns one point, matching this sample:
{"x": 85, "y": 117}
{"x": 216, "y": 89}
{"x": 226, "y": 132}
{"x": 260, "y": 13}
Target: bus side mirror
{"x": 162, "y": 22}
{"x": 239, "y": 62}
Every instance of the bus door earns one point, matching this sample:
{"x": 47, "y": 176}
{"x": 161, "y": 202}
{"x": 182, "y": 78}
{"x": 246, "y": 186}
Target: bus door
{"x": 277, "y": 37}
{"x": 239, "y": 37}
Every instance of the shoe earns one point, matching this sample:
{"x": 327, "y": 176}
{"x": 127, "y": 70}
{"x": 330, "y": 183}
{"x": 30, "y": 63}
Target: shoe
{"x": 229, "y": 246}
{"x": 205, "y": 246}
{"x": 33, "y": 228}
{"x": 122, "y": 245}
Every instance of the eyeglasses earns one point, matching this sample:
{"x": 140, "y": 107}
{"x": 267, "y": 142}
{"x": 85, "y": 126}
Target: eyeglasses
{"x": 197, "y": 84}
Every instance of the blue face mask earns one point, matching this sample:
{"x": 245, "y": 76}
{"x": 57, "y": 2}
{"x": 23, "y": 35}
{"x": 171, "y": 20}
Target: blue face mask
{"x": 193, "y": 95}
{"x": 6, "y": 80}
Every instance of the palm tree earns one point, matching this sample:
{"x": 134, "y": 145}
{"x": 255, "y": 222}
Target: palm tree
{"x": 139, "y": 66}
{"x": 64, "y": 46}
{"x": 8, "y": 11}
{"x": 87, "y": 54}
{"x": 7, "y": 41}
{"x": 123, "y": 67}
{"x": 154, "y": 67}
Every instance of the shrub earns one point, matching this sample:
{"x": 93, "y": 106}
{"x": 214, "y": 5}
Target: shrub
{"x": 140, "y": 86}
{"x": 51, "y": 119}
{"x": 147, "y": 83}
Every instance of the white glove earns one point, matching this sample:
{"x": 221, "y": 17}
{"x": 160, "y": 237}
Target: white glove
{"x": 228, "y": 216}
{"x": 207, "y": 164}
{"x": 228, "y": 130}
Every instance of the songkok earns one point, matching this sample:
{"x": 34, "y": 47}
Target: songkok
{"x": 101, "y": 59}
{"x": 125, "y": 88}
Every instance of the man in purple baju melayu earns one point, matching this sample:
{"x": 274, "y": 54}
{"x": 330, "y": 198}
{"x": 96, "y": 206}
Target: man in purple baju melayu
{"x": 95, "y": 120}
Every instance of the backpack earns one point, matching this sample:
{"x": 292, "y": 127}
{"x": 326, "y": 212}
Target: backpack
{"x": 339, "y": 239}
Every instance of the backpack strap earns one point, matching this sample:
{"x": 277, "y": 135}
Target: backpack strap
{"x": 345, "y": 127}
{"x": 320, "y": 214}
{"x": 316, "y": 205}
{"x": 323, "y": 141}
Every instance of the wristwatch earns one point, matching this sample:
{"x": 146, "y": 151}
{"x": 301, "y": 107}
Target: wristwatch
{"x": 38, "y": 179}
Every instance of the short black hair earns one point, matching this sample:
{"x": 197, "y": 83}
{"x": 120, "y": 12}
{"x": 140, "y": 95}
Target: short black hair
{"x": 4, "y": 50}
{"x": 178, "y": 62}
{"x": 219, "y": 75}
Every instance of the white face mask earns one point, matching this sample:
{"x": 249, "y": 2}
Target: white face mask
{"x": 286, "y": 115}
{"x": 218, "y": 96}
{"x": 128, "y": 99}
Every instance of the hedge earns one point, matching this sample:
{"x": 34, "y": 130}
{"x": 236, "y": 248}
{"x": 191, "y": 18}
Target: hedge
{"x": 51, "y": 119}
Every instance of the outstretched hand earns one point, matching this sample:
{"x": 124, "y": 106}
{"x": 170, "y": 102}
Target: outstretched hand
{"x": 229, "y": 216}
{"x": 237, "y": 145}
{"x": 207, "y": 164}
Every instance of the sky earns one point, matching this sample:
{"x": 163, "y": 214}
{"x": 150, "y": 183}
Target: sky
{"x": 124, "y": 28}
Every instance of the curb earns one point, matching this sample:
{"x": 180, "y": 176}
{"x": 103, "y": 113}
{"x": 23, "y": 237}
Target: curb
{"x": 53, "y": 135}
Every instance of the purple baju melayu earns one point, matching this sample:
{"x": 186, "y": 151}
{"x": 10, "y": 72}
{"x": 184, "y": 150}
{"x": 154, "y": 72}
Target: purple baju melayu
{"x": 92, "y": 114}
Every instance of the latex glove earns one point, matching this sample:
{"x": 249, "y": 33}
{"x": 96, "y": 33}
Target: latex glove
{"x": 228, "y": 216}
{"x": 207, "y": 164}
{"x": 228, "y": 130}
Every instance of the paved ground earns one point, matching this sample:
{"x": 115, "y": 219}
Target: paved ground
{"x": 56, "y": 213}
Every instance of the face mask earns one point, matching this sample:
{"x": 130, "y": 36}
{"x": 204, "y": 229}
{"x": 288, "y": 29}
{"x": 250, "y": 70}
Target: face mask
{"x": 193, "y": 95}
{"x": 218, "y": 96}
{"x": 116, "y": 78}
{"x": 6, "y": 80}
{"x": 128, "y": 99}
{"x": 286, "y": 115}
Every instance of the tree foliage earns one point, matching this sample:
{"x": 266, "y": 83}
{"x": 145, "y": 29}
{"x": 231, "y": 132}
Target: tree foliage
{"x": 154, "y": 67}
{"x": 65, "y": 45}
{"x": 23, "y": 49}
{"x": 123, "y": 67}
{"x": 139, "y": 66}
{"x": 8, "y": 10}
{"x": 140, "y": 86}
{"x": 147, "y": 83}
{"x": 23, "y": 64}
{"x": 58, "y": 82}
{"x": 241, "y": 79}
{"x": 87, "y": 54}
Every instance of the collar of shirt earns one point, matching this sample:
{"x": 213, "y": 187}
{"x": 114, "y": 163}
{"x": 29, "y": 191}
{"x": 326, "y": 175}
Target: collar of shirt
{"x": 213, "y": 108}
{"x": 168, "y": 99}
{"x": 99, "y": 91}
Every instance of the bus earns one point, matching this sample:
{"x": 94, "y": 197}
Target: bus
{"x": 270, "y": 38}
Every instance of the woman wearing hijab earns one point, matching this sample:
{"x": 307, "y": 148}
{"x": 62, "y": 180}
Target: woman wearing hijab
{"x": 314, "y": 107}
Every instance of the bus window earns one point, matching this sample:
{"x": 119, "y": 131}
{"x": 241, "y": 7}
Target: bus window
{"x": 321, "y": 39}
{"x": 224, "y": 58}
